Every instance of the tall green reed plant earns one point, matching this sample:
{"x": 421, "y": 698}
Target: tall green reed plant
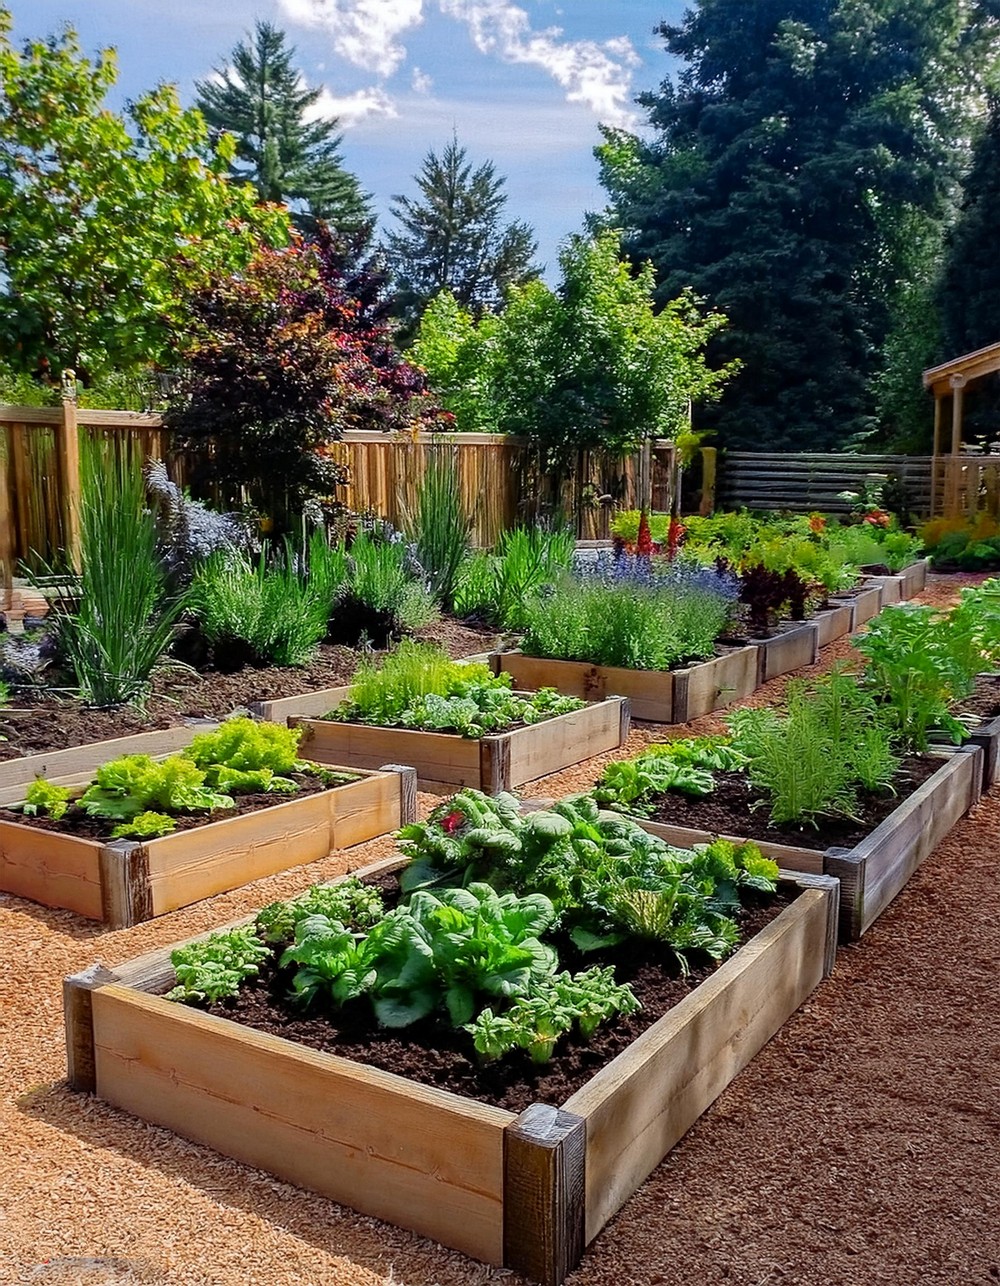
{"x": 441, "y": 525}
{"x": 115, "y": 629}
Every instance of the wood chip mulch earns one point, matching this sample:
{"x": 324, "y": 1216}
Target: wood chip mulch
{"x": 859, "y": 1147}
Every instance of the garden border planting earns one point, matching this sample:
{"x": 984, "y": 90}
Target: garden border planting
{"x": 875, "y": 869}
{"x": 527, "y": 1192}
{"x": 661, "y": 696}
{"x": 443, "y": 760}
{"x": 124, "y": 882}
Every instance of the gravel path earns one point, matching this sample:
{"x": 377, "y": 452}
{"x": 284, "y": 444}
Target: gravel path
{"x": 859, "y": 1147}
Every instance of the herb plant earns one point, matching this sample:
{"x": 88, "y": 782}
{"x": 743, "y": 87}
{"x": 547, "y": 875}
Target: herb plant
{"x": 441, "y": 525}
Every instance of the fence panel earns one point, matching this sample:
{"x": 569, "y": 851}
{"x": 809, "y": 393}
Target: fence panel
{"x": 803, "y": 481}
{"x": 499, "y": 484}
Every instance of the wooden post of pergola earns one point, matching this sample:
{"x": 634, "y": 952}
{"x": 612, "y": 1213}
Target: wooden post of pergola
{"x": 951, "y": 379}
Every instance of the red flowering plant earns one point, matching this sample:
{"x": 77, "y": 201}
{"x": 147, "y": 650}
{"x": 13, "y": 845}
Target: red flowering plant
{"x": 877, "y": 518}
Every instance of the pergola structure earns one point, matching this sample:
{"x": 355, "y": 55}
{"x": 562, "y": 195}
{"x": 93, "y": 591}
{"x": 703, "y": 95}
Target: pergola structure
{"x": 951, "y": 379}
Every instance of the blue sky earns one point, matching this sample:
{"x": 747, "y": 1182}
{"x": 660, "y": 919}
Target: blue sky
{"x": 522, "y": 84}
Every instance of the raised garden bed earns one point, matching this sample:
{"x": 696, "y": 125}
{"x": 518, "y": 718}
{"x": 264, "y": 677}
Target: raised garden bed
{"x": 791, "y": 647}
{"x": 865, "y": 602}
{"x": 986, "y": 733}
{"x": 874, "y": 869}
{"x": 903, "y": 584}
{"x": 526, "y": 1191}
{"x": 444, "y": 760}
{"x": 662, "y": 696}
{"x": 123, "y": 882}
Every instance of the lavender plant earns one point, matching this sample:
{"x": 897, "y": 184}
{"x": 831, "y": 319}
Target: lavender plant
{"x": 188, "y": 533}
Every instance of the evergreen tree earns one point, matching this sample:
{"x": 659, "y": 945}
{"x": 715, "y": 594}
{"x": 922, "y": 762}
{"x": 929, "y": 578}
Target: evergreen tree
{"x": 802, "y": 136}
{"x": 969, "y": 287}
{"x": 453, "y": 238}
{"x": 262, "y": 101}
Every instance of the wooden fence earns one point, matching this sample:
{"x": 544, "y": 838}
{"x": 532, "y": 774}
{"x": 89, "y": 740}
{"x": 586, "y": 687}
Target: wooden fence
{"x": 40, "y": 479}
{"x": 803, "y": 481}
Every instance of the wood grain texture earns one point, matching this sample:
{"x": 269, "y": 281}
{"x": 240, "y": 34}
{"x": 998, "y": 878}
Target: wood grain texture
{"x": 714, "y": 684}
{"x": 640, "y": 1104}
{"x": 309, "y": 705}
{"x": 78, "y": 1016}
{"x": 417, "y": 1156}
{"x": 437, "y": 756}
{"x": 56, "y": 870}
{"x": 126, "y": 892}
{"x": 788, "y": 650}
{"x": 886, "y": 858}
{"x": 544, "y": 1193}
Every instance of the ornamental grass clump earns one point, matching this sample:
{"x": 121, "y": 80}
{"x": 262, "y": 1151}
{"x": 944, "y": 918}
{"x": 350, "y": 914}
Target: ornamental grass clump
{"x": 499, "y": 586}
{"x": 115, "y": 626}
{"x": 441, "y": 525}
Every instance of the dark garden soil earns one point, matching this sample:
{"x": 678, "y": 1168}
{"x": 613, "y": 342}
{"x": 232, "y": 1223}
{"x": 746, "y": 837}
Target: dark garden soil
{"x": 435, "y": 1054}
{"x": 734, "y": 808}
{"x": 38, "y": 721}
{"x": 76, "y": 821}
{"x": 984, "y": 702}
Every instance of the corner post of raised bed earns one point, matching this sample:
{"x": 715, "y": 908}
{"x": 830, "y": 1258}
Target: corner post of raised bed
{"x": 126, "y": 891}
{"x": 845, "y": 865}
{"x": 494, "y": 763}
{"x": 545, "y": 1152}
{"x": 407, "y": 791}
{"x": 625, "y": 719}
{"x": 830, "y": 885}
{"x": 78, "y": 1011}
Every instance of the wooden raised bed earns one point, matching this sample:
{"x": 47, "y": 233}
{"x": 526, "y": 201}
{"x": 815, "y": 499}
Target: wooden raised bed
{"x": 662, "y": 696}
{"x": 123, "y": 882}
{"x": 790, "y": 648}
{"x": 833, "y": 622}
{"x": 985, "y": 735}
{"x": 525, "y": 1191}
{"x": 445, "y": 761}
{"x": 903, "y": 584}
{"x": 874, "y": 870}
{"x": 865, "y": 602}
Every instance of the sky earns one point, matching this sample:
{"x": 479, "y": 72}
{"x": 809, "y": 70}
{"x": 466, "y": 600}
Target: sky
{"x": 523, "y": 85}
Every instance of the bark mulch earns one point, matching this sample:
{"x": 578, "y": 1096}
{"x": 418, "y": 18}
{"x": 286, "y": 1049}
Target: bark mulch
{"x": 859, "y": 1147}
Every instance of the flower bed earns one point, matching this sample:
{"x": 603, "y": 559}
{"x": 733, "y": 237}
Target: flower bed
{"x": 528, "y": 1191}
{"x": 125, "y": 881}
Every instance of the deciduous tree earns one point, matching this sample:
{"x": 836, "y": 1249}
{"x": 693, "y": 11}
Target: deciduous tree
{"x": 106, "y": 223}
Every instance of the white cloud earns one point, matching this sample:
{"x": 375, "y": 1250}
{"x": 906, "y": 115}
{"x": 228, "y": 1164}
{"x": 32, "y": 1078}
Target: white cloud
{"x": 420, "y": 82}
{"x": 352, "y": 109}
{"x": 365, "y": 32}
{"x": 597, "y": 75}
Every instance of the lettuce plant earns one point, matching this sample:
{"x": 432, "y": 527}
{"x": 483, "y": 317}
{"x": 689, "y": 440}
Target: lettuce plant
{"x": 132, "y": 784}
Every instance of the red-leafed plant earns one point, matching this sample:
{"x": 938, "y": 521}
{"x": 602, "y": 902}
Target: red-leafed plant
{"x": 644, "y": 540}
{"x": 288, "y": 355}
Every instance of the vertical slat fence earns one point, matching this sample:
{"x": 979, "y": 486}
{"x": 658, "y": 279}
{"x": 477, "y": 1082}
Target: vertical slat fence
{"x": 498, "y": 483}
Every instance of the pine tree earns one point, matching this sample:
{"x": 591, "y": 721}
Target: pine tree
{"x": 801, "y": 137}
{"x": 453, "y": 239}
{"x": 261, "y": 99}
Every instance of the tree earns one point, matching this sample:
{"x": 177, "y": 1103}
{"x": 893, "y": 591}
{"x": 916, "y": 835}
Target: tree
{"x": 290, "y": 352}
{"x": 262, "y": 101}
{"x": 103, "y": 231}
{"x": 454, "y": 240}
{"x": 592, "y": 365}
{"x": 968, "y": 294}
{"x": 801, "y": 137}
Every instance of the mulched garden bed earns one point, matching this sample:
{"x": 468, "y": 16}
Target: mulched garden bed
{"x": 984, "y": 702}
{"x": 77, "y": 822}
{"x": 729, "y": 810}
{"x": 433, "y": 1053}
{"x": 39, "y": 721}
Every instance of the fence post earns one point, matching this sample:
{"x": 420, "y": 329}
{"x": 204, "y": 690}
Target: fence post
{"x": 68, "y": 456}
{"x": 709, "y": 457}
{"x": 6, "y": 529}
